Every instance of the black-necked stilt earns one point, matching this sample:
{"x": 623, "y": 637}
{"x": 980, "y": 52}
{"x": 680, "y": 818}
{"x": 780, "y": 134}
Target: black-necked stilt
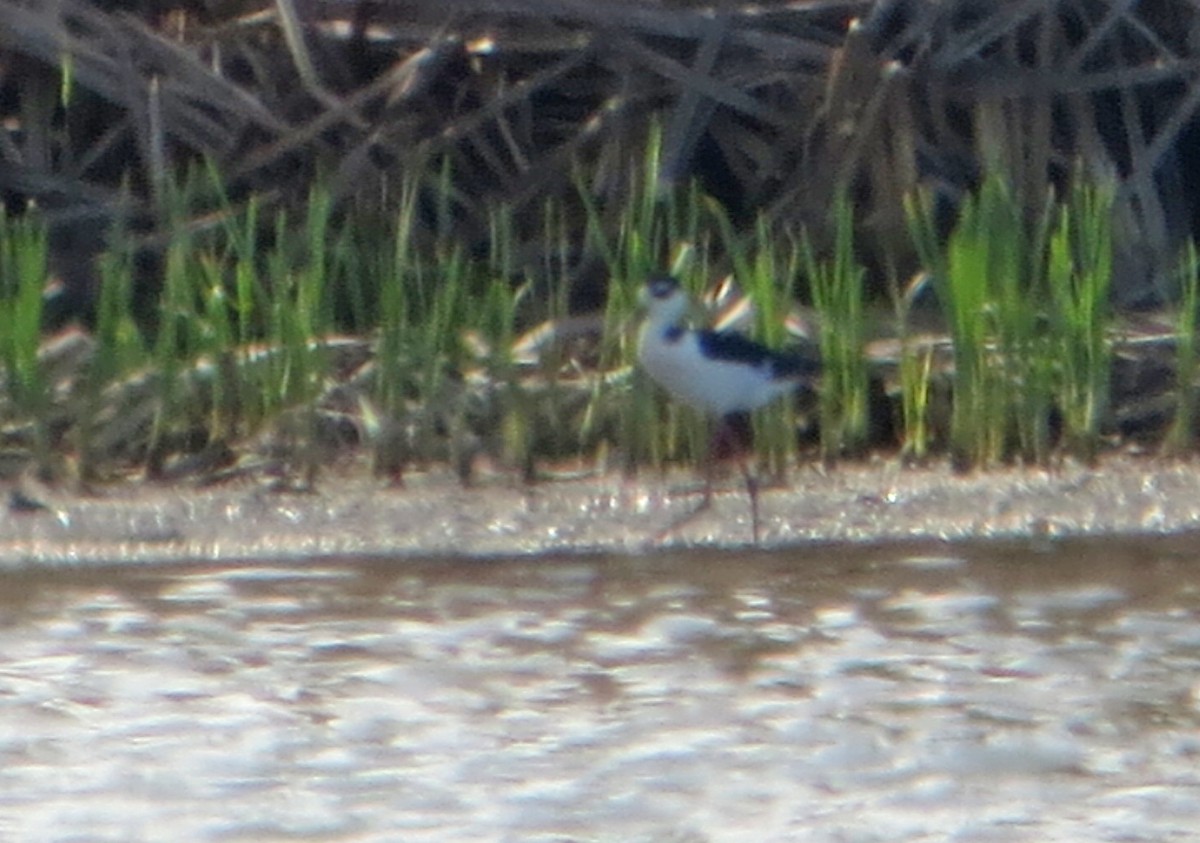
{"x": 721, "y": 373}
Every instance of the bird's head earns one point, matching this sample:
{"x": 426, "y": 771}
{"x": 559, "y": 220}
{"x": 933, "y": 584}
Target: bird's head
{"x": 665, "y": 299}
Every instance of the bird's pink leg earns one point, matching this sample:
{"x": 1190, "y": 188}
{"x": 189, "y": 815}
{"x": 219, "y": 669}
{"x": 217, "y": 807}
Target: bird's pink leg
{"x": 727, "y": 441}
{"x": 752, "y": 491}
{"x": 720, "y": 444}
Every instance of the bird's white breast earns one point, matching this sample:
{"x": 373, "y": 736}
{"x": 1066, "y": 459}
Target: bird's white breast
{"x": 714, "y": 386}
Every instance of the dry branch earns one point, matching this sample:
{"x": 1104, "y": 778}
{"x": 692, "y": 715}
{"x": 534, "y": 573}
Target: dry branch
{"x": 790, "y": 101}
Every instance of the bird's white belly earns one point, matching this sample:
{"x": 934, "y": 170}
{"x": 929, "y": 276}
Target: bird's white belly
{"x": 711, "y": 385}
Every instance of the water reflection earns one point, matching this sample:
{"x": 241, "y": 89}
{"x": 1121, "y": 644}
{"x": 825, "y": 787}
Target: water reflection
{"x": 1018, "y": 692}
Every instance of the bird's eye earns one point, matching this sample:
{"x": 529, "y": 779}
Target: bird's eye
{"x": 662, "y": 288}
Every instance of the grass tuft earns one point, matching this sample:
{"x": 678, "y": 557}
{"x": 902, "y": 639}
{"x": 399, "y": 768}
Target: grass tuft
{"x": 1079, "y": 276}
{"x": 837, "y": 295}
{"x": 22, "y": 284}
{"x": 983, "y": 280}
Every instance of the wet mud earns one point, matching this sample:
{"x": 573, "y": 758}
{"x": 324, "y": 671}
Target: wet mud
{"x": 433, "y": 516}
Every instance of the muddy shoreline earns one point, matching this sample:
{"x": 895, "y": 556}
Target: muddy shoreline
{"x": 432, "y": 516}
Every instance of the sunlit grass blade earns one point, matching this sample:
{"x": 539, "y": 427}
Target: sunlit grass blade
{"x": 1023, "y": 340}
{"x": 837, "y": 295}
{"x": 915, "y": 369}
{"x": 1080, "y": 275}
{"x": 1181, "y": 439}
{"x": 22, "y": 284}
{"x": 394, "y": 305}
{"x": 915, "y": 377}
{"x": 120, "y": 350}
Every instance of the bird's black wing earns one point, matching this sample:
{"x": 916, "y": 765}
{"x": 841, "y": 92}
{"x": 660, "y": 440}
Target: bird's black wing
{"x": 732, "y": 347}
{"x": 736, "y": 348}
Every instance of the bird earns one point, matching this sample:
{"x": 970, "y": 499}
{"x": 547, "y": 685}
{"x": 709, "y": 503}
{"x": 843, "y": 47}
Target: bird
{"x": 723, "y": 374}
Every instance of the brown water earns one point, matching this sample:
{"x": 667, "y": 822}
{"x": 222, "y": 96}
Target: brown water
{"x": 1005, "y": 692}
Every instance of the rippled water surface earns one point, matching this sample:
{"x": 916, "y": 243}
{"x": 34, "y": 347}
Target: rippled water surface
{"x": 1016, "y": 692}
